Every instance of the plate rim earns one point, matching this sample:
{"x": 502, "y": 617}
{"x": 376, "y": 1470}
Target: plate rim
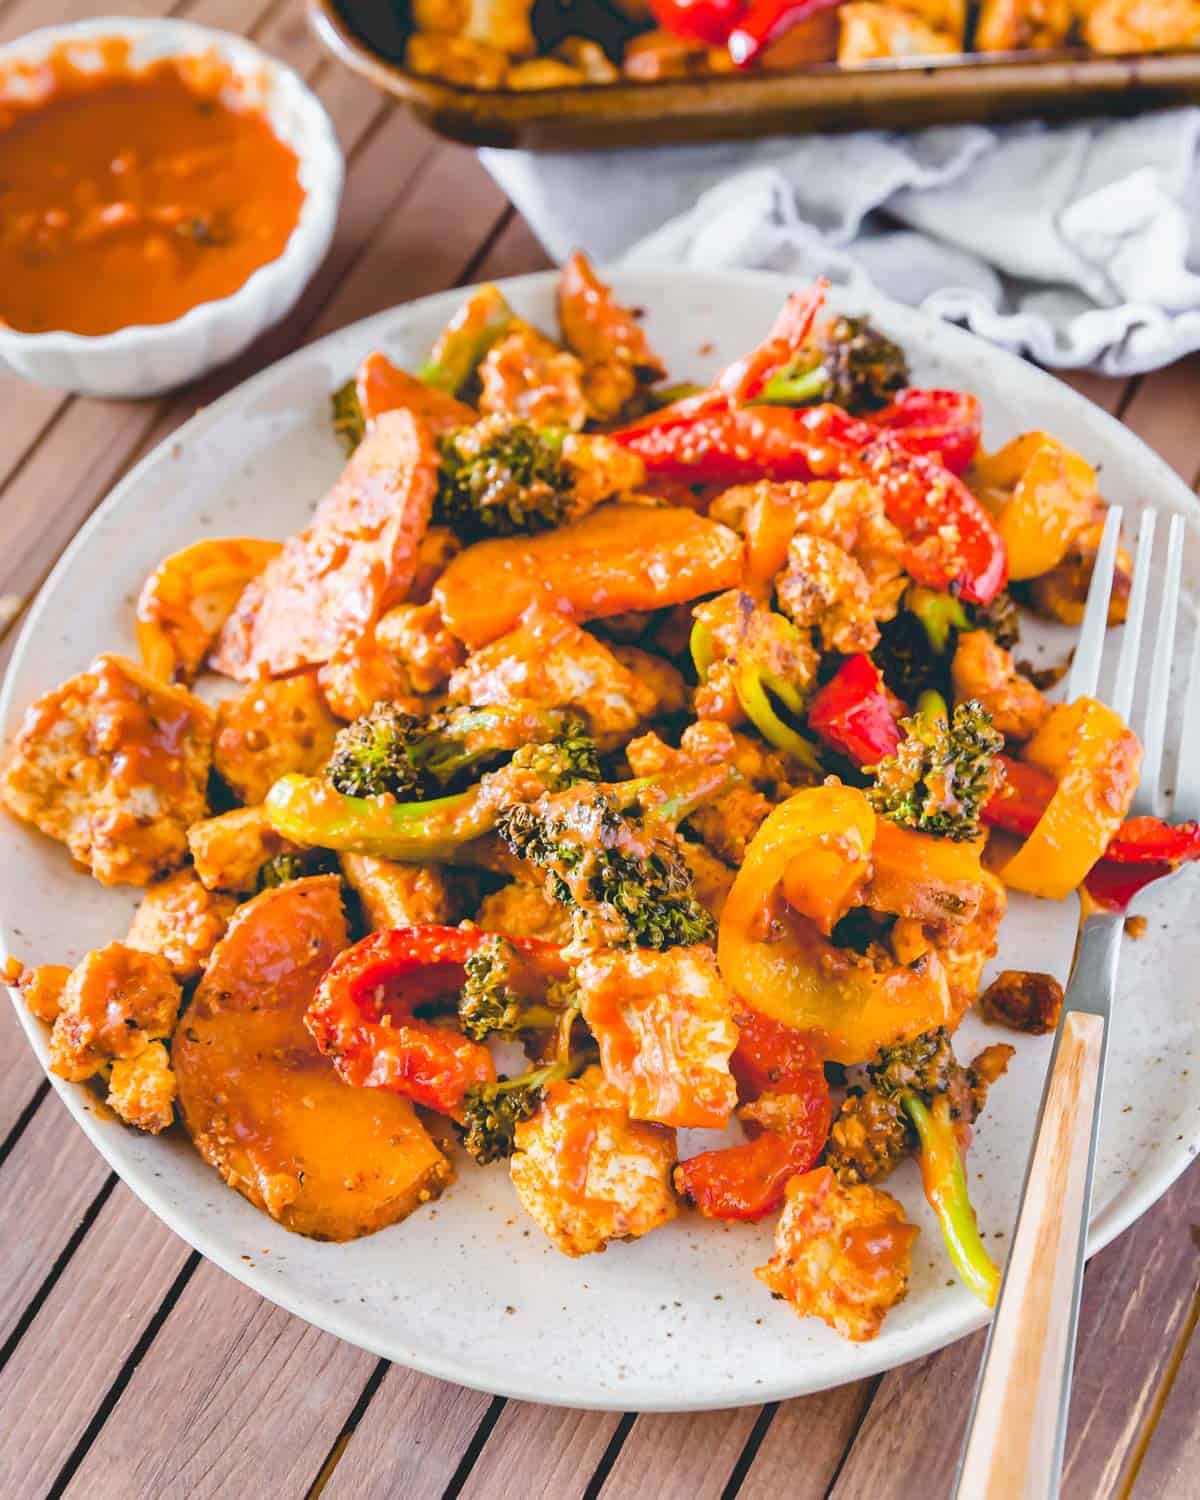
{"x": 939, "y": 1331}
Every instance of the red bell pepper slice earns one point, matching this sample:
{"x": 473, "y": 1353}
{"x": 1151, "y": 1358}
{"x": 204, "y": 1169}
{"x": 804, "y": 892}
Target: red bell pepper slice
{"x": 779, "y": 1070}
{"x": 766, "y": 21}
{"x": 707, "y": 21}
{"x": 852, "y": 713}
{"x": 362, "y": 1015}
{"x": 954, "y": 543}
{"x": 946, "y": 424}
{"x": 1149, "y": 840}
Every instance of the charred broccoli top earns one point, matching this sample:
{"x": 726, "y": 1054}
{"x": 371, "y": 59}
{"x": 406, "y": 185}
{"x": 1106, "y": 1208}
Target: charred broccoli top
{"x": 281, "y": 868}
{"x": 846, "y": 361}
{"x": 504, "y": 993}
{"x": 873, "y": 1130}
{"x": 624, "y": 885}
{"x": 349, "y": 424}
{"x": 941, "y": 775}
{"x": 502, "y": 476}
{"x": 1000, "y": 619}
{"x": 391, "y": 751}
{"x": 492, "y": 1112}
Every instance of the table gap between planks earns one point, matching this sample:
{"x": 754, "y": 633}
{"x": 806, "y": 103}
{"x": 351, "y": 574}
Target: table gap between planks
{"x": 129, "y": 1367}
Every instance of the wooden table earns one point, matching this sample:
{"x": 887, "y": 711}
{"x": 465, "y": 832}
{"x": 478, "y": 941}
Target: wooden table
{"x": 129, "y": 1367}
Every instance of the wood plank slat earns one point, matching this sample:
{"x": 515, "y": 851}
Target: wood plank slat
{"x": 410, "y": 1441}
{"x": 20, "y": 1075}
{"x": 540, "y": 1450}
{"x": 679, "y": 1457}
{"x": 82, "y": 1336}
{"x": 1171, "y": 1459}
{"x": 234, "y": 1396}
{"x": 1162, "y": 411}
{"x": 803, "y": 1449}
{"x": 52, "y": 1178}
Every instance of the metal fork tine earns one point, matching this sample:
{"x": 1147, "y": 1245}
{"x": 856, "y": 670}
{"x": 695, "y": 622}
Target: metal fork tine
{"x": 1162, "y": 654}
{"x": 1085, "y": 668}
{"x": 1135, "y": 618}
{"x": 1187, "y": 772}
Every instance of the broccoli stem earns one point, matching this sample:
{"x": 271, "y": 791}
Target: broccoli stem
{"x": 683, "y": 792}
{"x": 307, "y": 810}
{"x": 945, "y": 1181}
{"x": 795, "y": 387}
{"x": 751, "y": 685}
{"x": 939, "y": 614}
{"x": 932, "y": 707}
{"x": 465, "y": 340}
{"x": 667, "y": 395}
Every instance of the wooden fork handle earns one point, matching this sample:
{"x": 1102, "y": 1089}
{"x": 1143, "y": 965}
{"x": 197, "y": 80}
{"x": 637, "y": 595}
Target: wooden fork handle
{"x": 1011, "y": 1448}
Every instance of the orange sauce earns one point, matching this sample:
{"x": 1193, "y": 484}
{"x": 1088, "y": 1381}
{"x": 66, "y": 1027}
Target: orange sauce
{"x": 130, "y": 197}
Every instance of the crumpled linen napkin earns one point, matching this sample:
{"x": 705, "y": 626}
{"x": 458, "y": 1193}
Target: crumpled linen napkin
{"x": 1077, "y": 245}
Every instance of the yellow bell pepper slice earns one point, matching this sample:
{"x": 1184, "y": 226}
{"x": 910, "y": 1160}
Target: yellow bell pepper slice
{"x": 774, "y": 955}
{"x": 1042, "y": 494}
{"x": 1096, "y": 759}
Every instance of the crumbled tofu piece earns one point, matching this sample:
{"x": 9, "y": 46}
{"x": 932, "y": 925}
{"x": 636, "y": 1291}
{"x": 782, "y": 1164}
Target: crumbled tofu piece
{"x": 842, "y": 1254}
{"x": 664, "y": 1025}
{"x": 42, "y": 990}
{"x": 525, "y": 910}
{"x": 425, "y": 650}
{"x": 182, "y": 920}
{"x": 115, "y": 765}
{"x": 396, "y": 895}
{"x": 271, "y": 730}
{"x": 114, "y": 1004}
{"x": 587, "y": 1173}
{"x": 552, "y": 662}
{"x": 142, "y": 1090}
{"x": 228, "y": 851}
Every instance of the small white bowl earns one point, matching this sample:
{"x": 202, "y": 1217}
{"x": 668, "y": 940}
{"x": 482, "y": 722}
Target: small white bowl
{"x": 148, "y": 358}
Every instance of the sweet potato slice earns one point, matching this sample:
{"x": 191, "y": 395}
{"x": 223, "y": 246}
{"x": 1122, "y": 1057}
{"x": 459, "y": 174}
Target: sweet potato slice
{"x": 381, "y": 387}
{"x": 265, "y": 1108}
{"x": 618, "y": 558}
{"x": 334, "y": 579}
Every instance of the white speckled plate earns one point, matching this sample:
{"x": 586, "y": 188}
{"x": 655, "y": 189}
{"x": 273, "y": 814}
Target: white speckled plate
{"x": 469, "y": 1290}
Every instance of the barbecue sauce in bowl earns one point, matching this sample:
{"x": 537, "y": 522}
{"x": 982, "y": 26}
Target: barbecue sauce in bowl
{"x": 128, "y": 197}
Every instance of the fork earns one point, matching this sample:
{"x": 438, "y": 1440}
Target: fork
{"x": 1017, "y": 1428}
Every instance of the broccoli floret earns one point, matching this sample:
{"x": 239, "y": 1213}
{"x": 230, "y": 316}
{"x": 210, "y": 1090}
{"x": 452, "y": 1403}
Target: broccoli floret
{"x": 281, "y": 868}
{"x": 926, "y": 1066}
{"x": 349, "y": 424}
{"x": 941, "y": 776}
{"x": 624, "y": 885}
{"x": 503, "y": 476}
{"x": 390, "y": 751}
{"x": 921, "y": 1098}
{"x": 909, "y": 665}
{"x": 504, "y": 993}
{"x": 873, "y": 1131}
{"x": 492, "y": 1112}
{"x": 870, "y": 1135}
{"x": 846, "y": 361}
{"x": 1000, "y": 619}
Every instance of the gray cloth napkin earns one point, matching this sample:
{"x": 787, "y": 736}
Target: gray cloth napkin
{"x": 1077, "y": 245}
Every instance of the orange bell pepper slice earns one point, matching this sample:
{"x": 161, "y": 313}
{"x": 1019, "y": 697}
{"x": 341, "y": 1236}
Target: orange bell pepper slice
{"x": 1096, "y": 759}
{"x": 1051, "y": 492}
{"x": 774, "y": 955}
